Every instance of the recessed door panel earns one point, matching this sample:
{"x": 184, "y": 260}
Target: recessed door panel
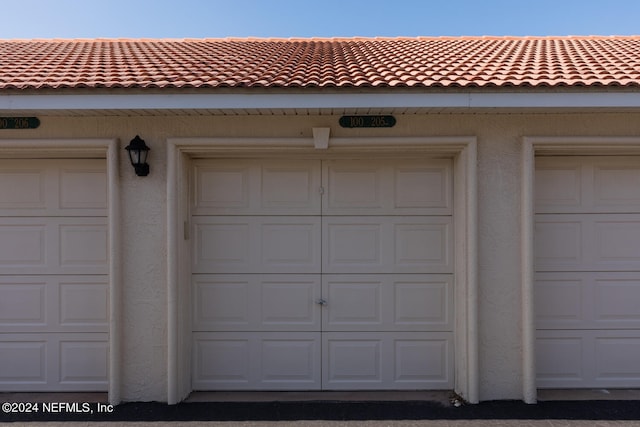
{"x": 607, "y": 184}
{"x": 268, "y": 302}
{"x": 256, "y": 245}
{"x": 256, "y": 361}
{"x": 389, "y": 187}
{"x": 387, "y": 245}
{"x": 389, "y": 302}
{"x": 42, "y": 187}
{"x": 256, "y": 187}
{"x": 54, "y": 362}
{"x": 385, "y": 360}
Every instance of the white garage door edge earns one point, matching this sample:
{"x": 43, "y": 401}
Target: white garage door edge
{"x": 105, "y": 148}
{"x": 464, "y": 151}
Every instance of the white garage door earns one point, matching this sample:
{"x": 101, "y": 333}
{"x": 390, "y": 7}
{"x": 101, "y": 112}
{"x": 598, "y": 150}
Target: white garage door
{"x": 312, "y": 274}
{"x": 587, "y": 247}
{"x": 53, "y": 275}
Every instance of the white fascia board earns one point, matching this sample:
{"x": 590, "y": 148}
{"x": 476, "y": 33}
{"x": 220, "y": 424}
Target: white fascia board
{"x": 555, "y": 100}
{"x": 586, "y": 99}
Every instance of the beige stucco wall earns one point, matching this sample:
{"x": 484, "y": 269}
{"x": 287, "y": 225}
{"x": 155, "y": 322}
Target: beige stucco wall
{"x": 144, "y": 219}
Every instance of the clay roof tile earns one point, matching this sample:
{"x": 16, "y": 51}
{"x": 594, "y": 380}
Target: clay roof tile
{"x": 316, "y": 62}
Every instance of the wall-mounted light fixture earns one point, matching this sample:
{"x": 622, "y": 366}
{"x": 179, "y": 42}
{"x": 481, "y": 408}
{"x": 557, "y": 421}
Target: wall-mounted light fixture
{"x": 138, "y": 152}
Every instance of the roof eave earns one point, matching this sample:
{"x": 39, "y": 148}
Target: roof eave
{"x": 575, "y": 98}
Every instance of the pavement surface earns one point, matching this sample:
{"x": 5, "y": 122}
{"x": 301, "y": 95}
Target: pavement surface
{"x": 603, "y": 413}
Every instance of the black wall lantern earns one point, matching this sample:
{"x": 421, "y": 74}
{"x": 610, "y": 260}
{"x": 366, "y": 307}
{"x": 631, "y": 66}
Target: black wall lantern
{"x": 138, "y": 152}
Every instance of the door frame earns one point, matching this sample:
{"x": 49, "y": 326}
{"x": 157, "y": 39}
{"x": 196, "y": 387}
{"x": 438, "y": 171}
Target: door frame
{"x": 532, "y": 146}
{"x": 463, "y": 150}
{"x": 106, "y": 148}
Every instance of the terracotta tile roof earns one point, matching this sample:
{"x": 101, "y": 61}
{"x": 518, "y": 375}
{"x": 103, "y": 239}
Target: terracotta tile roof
{"x": 427, "y": 62}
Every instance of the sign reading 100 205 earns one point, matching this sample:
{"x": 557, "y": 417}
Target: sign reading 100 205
{"x": 367, "y": 121}
{"x": 19, "y": 122}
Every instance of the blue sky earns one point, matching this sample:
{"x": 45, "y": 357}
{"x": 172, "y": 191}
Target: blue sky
{"x": 318, "y": 18}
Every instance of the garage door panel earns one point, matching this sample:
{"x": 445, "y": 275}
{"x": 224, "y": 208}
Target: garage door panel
{"x": 84, "y": 362}
{"x": 353, "y": 359}
{"x": 423, "y": 187}
{"x": 54, "y": 303}
{"x": 558, "y": 185}
{"x": 585, "y": 300}
{"x": 22, "y": 303}
{"x": 54, "y": 362}
{"x": 387, "y": 245}
{"x": 388, "y": 302}
{"x": 256, "y": 245}
{"x": 563, "y": 300}
{"x": 290, "y": 302}
{"x": 593, "y": 358}
{"x": 594, "y": 242}
{"x": 223, "y": 302}
{"x": 354, "y": 303}
{"x": 221, "y": 186}
{"x": 22, "y": 245}
{"x": 558, "y": 244}
{"x": 617, "y": 185}
{"x": 23, "y": 362}
{"x": 84, "y": 246}
{"x": 288, "y": 187}
{"x": 423, "y": 361}
{"x": 32, "y": 195}
{"x": 84, "y": 303}
{"x": 256, "y": 302}
{"x": 387, "y": 187}
{"x": 617, "y": 300}
{"x": 249, "y": 361}
{"x": 617, "y": 355}
{"x": 254, "y": 187}
{"x": 286, "y": 361}
{"x": 222, "y": 245}
{"x": 222, "y": 361}
{"x": 83, "y": 189}
{"x": 290, "y": 245}
{"x": 352, "y": 186}
{"x": 587, "y": 185}
{"x": 53, "y": 188}
{"x": 423, "y": 303}
{"x": 53, "y": 246}
{"x": 559, "y": 359}
{"x": 617, "y": 242}
{"x": 383, "y": 360}
{"x": 420, "y": 244}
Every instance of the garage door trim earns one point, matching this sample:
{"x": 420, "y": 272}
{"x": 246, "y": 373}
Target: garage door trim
{"x": 180, "y": 150}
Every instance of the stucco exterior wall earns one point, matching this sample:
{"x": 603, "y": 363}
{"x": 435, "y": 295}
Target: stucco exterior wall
{"x": 144, "y": 220}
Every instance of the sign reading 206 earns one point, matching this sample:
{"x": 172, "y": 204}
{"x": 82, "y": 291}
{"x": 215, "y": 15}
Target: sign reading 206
{"x": 19, "y": 122}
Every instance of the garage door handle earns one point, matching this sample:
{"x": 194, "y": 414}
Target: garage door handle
{"x": 321, "y": 301}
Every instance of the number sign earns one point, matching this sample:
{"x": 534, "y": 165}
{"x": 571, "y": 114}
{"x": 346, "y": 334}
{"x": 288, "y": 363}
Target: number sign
{"x": 367, "y": 121}
{"x": 19, "y": 122}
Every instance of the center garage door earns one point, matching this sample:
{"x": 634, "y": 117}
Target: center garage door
{"x": 53, "y": 275}
{"x": 588, "y": 272}
{"x": 312, "y": 274}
